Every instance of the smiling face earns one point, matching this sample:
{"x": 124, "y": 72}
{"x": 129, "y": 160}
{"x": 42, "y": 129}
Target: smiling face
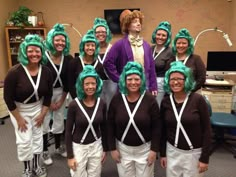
{"x": 34, "y": 54}
{"x": 182, "y": 46}
{"x": 135, "y": 26}
{"x": 59, "y": 42}
{"x": 133, "y": 83}
{"x": 161, "y": 37}
{"x": 177, "y": 81}
{"x": 89, "y": 48}
{"x": 90, "y": 86}
{"x": 101, "y": 33}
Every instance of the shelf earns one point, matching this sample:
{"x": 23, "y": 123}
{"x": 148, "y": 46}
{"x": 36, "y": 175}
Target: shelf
{"x": 15, "y": 35}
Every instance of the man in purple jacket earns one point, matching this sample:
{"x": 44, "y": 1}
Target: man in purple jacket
{"x": 131, "y": 48}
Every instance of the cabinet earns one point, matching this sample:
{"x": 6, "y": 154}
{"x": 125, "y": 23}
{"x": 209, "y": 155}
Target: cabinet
{"x": 14, "y": 36}
{"x": 220, "y": 94}
{"x": 3, "y": 107}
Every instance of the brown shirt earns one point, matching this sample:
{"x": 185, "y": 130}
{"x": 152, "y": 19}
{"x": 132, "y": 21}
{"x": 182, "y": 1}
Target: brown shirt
{"x": 76, "y": 125}
{"x": 195, "y": 120}
{"x": 17, "y": 86}
{"x": 147, "y": 119}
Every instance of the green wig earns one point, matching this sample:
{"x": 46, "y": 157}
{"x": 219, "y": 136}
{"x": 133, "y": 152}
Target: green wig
{"x": 179, "y": 67}
{"x": 88, "y": 71}
{"x": 58, "y": 29}
{"x": 31, "y": 40}
{"x": 183, "y": 33}
{"x": 132, "y": 67}
{"x": 102, "y": 22}
{"x": 166, "y": 26}
{"x": 89, "y": 37}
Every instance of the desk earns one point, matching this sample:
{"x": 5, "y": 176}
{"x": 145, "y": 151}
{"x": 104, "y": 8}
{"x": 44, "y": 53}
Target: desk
{"x": 3, "y": 108}
{"x": 219, "y": 94}
{"x": 221, "y": 121}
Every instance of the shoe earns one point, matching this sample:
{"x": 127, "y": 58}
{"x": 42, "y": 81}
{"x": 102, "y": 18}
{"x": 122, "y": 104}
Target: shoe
{"x": 61, "y": 150}
{"x": 47, "y": 160}
{"x": 40, "y": 172}
{"x": 27, "y": 173}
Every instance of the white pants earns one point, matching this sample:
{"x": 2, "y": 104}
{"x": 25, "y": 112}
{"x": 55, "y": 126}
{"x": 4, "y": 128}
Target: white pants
{"x": 134, "y": 161}
{"x": 57, "y": 116}
{"x": 89, "y": 159}
{"x": 108, "y": 90}
{"x": 182, "y": 163}
{"x": 161, "y": 92}
{"x": 31, "y": 141}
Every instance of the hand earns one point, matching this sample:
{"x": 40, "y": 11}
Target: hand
{"x": 21, "y": 122}
{"x": 59, "y": 104}
{"x": 39, "y": 120}
{"x": 116, "y": 156}
{"x": 72, "y": 163}
{"x": 151, "y": 157}
{"x": 53, "y": 106}
{"x": 104, "y": 154}
{"x": 202, "y": 167}
{"x": 154, "y": 93}
{"x": 163, "y": 162}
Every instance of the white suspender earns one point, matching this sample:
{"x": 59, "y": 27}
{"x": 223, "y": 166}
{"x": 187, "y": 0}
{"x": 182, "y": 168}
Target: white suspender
{"x": 82, "y": 62}
{"x": 103, "y": 58}
{"x": 35, "y": 86}
{"x": 179, "y": 124}
{"x": 185, "y": 60}
{"x": 90, "y": 121}
{"x": 55, "y": 68}
{"x": 155, "y": 56}
{"x": 131, "y": 118}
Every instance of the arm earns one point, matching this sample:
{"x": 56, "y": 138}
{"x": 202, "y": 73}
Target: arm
{"x": 40, "y": 118}
{"x": 72, "y": 77}
{"x": 104, "y": 132}
{"x": 200, "y": 73}
{"x": 110, "y": 63}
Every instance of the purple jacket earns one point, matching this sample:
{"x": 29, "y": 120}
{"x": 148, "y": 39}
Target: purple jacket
{"x": 121, "y": 53}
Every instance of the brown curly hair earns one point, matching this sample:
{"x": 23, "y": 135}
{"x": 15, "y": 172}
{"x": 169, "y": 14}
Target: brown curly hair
{"x": 126, "y": 18}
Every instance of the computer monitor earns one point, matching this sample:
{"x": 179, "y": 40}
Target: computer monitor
{"x": 220, "y": 63}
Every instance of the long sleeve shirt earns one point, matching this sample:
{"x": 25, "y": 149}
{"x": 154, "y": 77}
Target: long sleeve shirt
{"x": 195, "y": 120}
{"x": 17, "y": 87}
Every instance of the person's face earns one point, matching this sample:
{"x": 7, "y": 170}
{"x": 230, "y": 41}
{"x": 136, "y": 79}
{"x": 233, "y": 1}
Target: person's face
{"x": 34, "y": 54}
{"x": 90, "y": 86}
{"x": 133, "y": 83}
{"x": 101, "y": 33}
{"x": 135, "y": 26}
{"x": 59, "y": 42}
{"x": 89, "y": 48}
{"x": 161, "y": 37}
{"x": 176, "y": 82}
{"x": 181, "y": 45}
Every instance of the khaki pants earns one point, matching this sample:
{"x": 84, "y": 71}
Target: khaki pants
{"x": 31, "y": 141}
{"x": 89, "y": 159}
{"x": 182, "y": 163}
{"x": 134, "y": 161}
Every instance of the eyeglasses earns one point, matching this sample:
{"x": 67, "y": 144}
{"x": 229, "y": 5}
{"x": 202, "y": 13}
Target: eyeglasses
{"x": 177, "y": 79}
{"x": 100, "y": 32}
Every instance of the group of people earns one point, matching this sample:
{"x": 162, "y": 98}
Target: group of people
{"x": 129, "y": 99}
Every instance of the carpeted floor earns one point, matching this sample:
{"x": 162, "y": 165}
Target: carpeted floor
{"x": 222, "y": 163}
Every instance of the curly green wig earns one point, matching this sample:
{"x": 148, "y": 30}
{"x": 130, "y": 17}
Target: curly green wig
{"x": 88, "y": 71}
{"x": 132, "y": 67}
{"x": 179, "y": 67}
{"x": 31, "y": 40}
{"x": 166, "y": 26}
{"x": 58, "y": 29}
{"x": 89, "y": 37}
{"x": 183, "y": 33}
{"x": 102, "y": 22}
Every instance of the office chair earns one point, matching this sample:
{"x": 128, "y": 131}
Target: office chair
{"x": 221, "y": 122}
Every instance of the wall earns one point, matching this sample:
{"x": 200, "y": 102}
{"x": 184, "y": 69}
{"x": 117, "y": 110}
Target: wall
{"x": 196, "y": 15}
{"x": 9, "y": 6}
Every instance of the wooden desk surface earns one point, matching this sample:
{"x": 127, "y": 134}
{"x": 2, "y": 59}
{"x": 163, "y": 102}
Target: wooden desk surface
{"x": 214, "y": 82}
